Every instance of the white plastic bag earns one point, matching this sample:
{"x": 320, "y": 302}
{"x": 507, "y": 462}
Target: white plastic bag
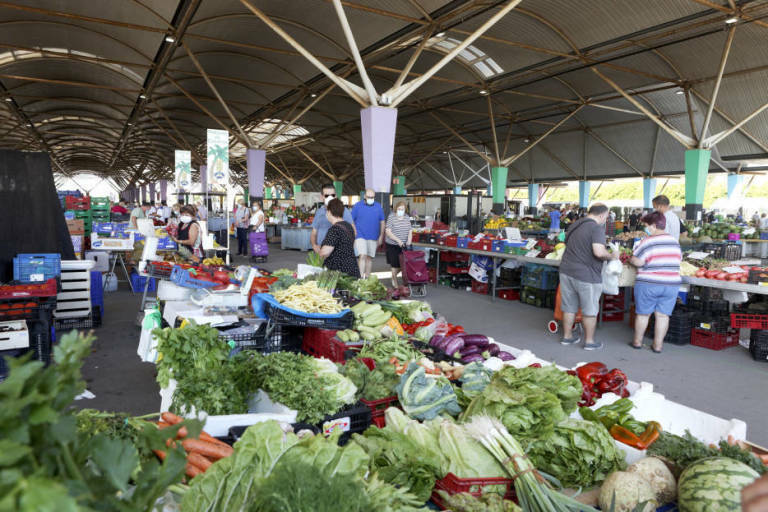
{"x": 611, "y": 273}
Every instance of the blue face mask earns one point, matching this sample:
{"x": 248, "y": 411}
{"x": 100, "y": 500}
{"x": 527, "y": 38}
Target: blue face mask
{"x": 647, "y": 230}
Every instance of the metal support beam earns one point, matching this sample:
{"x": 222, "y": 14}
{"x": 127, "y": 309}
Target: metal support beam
{"x": 372, "y": 95}
{"x": 280, "y": 171}
{"x": 407, "y": 69}
{"x": 475, "y": 174}
{"x": 514, "y": 158}
{"x": 714, "y": 139}
{"x": 205, "y": 110}
{"x": 729, "y": 120}
{"x": 465, "y": 141}
{"x": 439, "y": 173}
{"x": 691, "y": 120}
{"x": 610, "y": 148}
{"x": 493, "y": 129}
{"x": 683, "y": 139}
{"x": 655, "y": 150}
{"x": 315, "y": 163}
{"x": 558, "y": 161}
{"x": 718, "y": 81}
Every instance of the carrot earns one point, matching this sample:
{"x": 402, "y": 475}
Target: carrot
{"x": 162, "y": 424}
{"x": 205, "y": 436}
{"x": 211, "y": 450}
{"x": 171, "y": 418}
{"x": 182, "y": 433}
{"x": 160, "y": 454}
{"x": 764, "y": 458}
{"x": 199, "y": 461}
{"x": 192, "y": 471}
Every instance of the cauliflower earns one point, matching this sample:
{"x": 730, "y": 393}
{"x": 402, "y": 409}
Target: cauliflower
{"x": 626, "y": 491}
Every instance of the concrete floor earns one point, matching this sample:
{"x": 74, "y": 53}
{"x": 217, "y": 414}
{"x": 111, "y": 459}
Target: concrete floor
{"x": 728, "y": 383}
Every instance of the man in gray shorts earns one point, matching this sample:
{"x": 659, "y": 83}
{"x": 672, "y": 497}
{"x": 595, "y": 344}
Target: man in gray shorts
{"x": 581, "y": 281}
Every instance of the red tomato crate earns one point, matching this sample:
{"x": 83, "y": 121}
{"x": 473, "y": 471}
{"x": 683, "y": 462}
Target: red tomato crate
{"x": 478, "y": 287}
{"x": 714, "y": 340}
{"x": 46, "y": 289}
{"x": 482, "y": 245}
{"x": 508, "y": 294}
{"x": 749, "y": 321}
{"x": 78, "y": 203}
{"x": 455, "y": 485}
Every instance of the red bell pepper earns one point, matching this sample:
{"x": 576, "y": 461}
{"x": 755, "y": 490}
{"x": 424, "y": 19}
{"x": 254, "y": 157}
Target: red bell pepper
{"x": 592, "y": 374}
{"x": 614, "y": 381}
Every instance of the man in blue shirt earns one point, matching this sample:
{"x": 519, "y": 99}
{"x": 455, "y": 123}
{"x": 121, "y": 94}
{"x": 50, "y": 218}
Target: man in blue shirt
{"x": 320, "y": 225}
{"x": 369, "y": 222}
{"x": 554, "y": 224}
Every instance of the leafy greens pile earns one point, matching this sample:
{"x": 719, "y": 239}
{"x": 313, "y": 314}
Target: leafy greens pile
{"x": 273, "y": 470}
{"x": 528, "y": 401}
{"x": 578, "y": 453}
{"x": 424, "y": 397}
{"x": 371, "y": 384}
{"x": 363, "y": 289}
{"x": 46, "y": 464}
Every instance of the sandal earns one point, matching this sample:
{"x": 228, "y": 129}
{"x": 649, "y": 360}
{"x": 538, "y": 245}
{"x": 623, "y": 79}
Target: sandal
{"x": 655, "y": 351}
{"x": 636, "y": 347}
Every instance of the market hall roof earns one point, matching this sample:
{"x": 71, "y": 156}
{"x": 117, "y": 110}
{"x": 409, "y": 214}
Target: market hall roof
{"x": 113, "y": 87}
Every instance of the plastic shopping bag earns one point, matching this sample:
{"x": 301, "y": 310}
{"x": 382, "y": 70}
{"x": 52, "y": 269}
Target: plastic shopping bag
{"x": 611, "y": 272}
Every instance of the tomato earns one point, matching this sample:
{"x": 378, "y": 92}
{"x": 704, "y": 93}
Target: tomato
{"x": 734, "y": 277}
{"x": 701, "y": 272}
{"x": 722, "y": 276}
{"x": 710, "y": 274}
{"x": 744, "y": 279}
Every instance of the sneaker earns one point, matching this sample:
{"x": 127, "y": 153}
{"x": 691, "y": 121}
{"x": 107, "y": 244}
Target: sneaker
{"x": 593, "y": 346}
{"x": 570, "y": 341}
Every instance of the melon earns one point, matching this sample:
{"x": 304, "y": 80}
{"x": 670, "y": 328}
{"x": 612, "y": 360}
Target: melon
{"x": 713, "y": 484}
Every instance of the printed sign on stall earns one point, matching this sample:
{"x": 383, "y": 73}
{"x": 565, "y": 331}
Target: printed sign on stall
{"x": 183, "y": 168}
{"x": 218, "y": 157}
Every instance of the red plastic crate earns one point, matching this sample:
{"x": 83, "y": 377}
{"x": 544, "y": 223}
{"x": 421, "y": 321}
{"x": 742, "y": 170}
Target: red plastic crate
{"x": 46, "y": 289}
{"x": 615, "y": 316}
{"x": 323, "y": 343}
{"x": 482, "y": 245}
{"x": 78, "y": 203}
{"x": 454, "y": 485}
{"x": 747, "y": 321}
{"x": 450, "y": 240}
{"x": 450, "y": 257}
{"x": 457, "y": 270}
{"x": 378, "y": 407}
{"x": 508, "y": 294}
{"x": 433, "y": 275}
{"x": 478, "y": 287}
{"x": 713, "y": 340}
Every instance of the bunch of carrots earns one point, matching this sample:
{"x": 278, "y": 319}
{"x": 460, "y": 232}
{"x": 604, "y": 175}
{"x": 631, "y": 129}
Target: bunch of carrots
{"x": 201, "y": 453}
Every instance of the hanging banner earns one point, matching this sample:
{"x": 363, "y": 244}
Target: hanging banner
{"x": 183, "y": 167}
{"x": 218, "y": 157}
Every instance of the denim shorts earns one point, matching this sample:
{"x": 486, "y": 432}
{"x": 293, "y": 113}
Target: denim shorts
{"x": 650, "y": 298}
{"x": 575, "y": 295}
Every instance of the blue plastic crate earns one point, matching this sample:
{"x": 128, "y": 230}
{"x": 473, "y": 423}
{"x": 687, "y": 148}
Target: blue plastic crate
{"x": 97, "y": 292}
{"x": 166, "y": 244}
{"x": 541, "y": 277}
{"x": 462, "y": 242}
{"x": 138, "y": 282}
{"x": 103, "y": 227}
{"x": 683, "y": 297}
{"x": 764, "y": 235}
{"x": 181, "y": 277}
{"x": 69, "y": 215}
{"x": 497, "y": 246}
{"x": 34, "y": 268}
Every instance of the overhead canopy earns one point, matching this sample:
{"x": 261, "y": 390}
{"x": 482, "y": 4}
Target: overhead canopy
{"x": 113, "y": 87}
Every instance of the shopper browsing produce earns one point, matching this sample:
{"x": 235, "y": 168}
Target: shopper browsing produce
{"x": 580, "y": 274}
{"x": 242, "y": 219}
{"x": 658, "y": 260}
{"x": 337, "y": 246}
{"x": 258, "y": 228}
{"x": 399, "y": 235}
{"x": 369, "y": 223}
{"x": 661, "y": 204}
{"x": 554, "y": 223}
{"x": 320, "y": 224}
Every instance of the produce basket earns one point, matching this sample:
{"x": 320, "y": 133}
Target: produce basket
{"x": 159, "y": 269}
{"x": 323, "y": 343}
{"x": 713, "y": 340}
{"x": 748, "y": 321}
{"x": 455, "y": 485}
{"x": 265, "y": 339}
{"x": 46, "y": 289}
{"x": 351, "y": 419}
{"x": 180, "y": 277}
{"x": 26, "y": 308}
{"x": 266, "y": 306}
{"x": 35, "y": 268}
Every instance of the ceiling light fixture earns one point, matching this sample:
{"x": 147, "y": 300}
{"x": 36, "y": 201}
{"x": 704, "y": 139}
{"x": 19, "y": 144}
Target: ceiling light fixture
{"x": 483, "y": 92}
{"x": 440, "y": 34}
{"x": 313, "y": 95}
{"x": 9, "y": 99}
{"x": 526, "y": 140}
{"x": 29, "y": 125}
{"x": 732, "y": 20}
{"x": 143, "y": 96}
{"x": 170, "y": 39}
{"x": 680, "y": 92}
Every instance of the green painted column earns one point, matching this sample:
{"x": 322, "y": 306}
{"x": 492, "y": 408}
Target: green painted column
{"x": 267, "y": 192}
{"x": 246, "y": 196}
{"x": 696, "y": 169}
{"x": 339, "y": 186}
{"x": 499, "y": 190}
{"x": 398, "y": 185}
{"x": 296, "y": 189}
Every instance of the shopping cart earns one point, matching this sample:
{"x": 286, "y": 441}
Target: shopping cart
{"x": 553, "y": 325}
{"x": 415, "y": 272}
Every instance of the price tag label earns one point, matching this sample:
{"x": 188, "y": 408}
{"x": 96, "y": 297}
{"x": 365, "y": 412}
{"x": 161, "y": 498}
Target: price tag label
{"x": 705, "y": 326}
{"x": 37, "y": 278}
{"x": 733, "y": 270}
{"x": 531, "y": 243}
{"x": 748, "y": 231}
{"x": 338, "y": 424}
{"x": 698, "y": 255}
{"x": 533, "y": 253}
{"x": 696, "y": 229}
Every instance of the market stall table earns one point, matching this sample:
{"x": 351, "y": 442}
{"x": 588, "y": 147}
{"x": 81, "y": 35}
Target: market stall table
{"x": 726, "y": 285}
{"x": 296, "y": 237}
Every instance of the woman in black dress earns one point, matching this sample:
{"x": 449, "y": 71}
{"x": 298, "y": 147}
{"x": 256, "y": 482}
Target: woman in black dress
{"x": 338, "y": 246}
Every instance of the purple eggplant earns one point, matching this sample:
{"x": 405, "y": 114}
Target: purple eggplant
{"x": 468, "y": 350}
{"x": 475, "y": 339}
{"x": 453, "y": 345}
{"x": 437, "y": 338}
{"x": 492, "y": 349}
{"x": 472, "y": 358}
{"x": 505, "y": 356}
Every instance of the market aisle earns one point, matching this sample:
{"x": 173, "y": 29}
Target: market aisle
{"x": 728, "y": 384}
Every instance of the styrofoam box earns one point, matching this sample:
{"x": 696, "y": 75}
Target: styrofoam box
{"x": 17, "y": 338}
{"x": 167, "y": 290}
{"x": 74, "y": 301}
{"x": 100, "y": 259}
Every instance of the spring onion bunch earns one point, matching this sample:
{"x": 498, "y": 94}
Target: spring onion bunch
{"x": 533, "y": 493}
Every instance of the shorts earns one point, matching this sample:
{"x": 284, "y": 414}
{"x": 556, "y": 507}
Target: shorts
{"x": 575, "y": 295}
{"x": 650, "y": 298}
{"x": 393, "y": 255}
{"x": 365, "y": 247}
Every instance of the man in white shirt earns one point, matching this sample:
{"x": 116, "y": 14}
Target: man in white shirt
{"x": 202, "y": 211}
{"x": 661, "y": 204}
{"x": 764, "y": 222}
{"x": 165, "y": 211}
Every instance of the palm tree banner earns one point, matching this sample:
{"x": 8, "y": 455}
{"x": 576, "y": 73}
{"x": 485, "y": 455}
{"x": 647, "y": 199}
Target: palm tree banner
{"x": 183, "y": 169}
{"x": 218, "y": 157}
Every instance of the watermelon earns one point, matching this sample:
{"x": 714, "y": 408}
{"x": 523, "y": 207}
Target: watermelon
{"x": 713, "y": 484}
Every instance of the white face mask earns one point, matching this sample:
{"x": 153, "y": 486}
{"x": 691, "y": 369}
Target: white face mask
{"x": 400, "y": 212}
{"x": 185, "y": 218}
{"x": 369, "y": 201}
{"x": 328, "y": 199}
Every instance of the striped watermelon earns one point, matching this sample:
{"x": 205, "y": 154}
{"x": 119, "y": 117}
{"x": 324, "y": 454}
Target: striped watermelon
{"x": 713, "y": 484}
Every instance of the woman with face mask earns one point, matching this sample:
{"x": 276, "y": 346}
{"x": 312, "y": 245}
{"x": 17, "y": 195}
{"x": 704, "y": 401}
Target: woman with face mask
{"x": 189, "y": 237}
{"x": 258, "y": 235}
{"x": 338, "y": 245}
{"x": 399, "y": 235}
{"x": 242, "y": 219}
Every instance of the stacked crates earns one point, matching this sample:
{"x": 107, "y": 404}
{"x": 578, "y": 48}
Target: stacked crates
{"x": 539, "y": 285}
{"x": 100, "y": 209}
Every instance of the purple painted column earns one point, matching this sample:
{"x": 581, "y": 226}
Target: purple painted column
{"x": 163, "y": 190}
{"x": 256, "y": 159}
{"x": 152, "y": 195}
{"x": 378, "y": 126}
{"x": 143, "y": 193}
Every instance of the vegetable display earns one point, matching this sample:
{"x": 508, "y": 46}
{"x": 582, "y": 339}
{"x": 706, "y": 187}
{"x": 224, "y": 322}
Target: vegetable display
{"x": 597, "y": 380}
{"x": 424, "y": 397}
{"x": 371, "y": 384}
{"x": 308, "y": 297}
{"x": 466, "y": 502}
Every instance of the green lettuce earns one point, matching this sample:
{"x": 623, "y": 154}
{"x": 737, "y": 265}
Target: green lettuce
{"x": 424, "y": 397}
{"x": 578, "y": 453}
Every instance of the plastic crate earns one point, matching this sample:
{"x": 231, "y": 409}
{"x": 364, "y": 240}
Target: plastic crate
{"x": 351, "y": 419}
{"x": 712, "y": 306}
{"x": 746, "y": 321}
{"x": 485, "y": 244}
{"x": 267, "y": 307}
{"x": 91, "y": 321}
{"x": 537, "y": 297}
{"x": 508, "y": 294}
{"x": 159, "y": 269}
{"x": 433, "y": 275}
{"x": 478, "y": 287}
{"x": 46, "y": 289}
{"x": 456, "y": 270}
{"x": 181, "y": 277}
{"x": 463, "y": 242}
{"x": 138, "y": 282}
{"x": 757, "y": 276}
{"x": 450, "y": 241}
{"x": 510, "y": 274}
{"x": 498, "y": 245}
{"x": 451, "y": 257}
{"x": 612, "y": 316}
{"x": 78, "y": 203}
{"x": 541, "y": 277}
{"x": 758, "y": 345}
{"x": 379, "y": 407}
{"x": 455, "y": 485}
{"x": 35, "y": 268}
{"x": 100, "y": 202}
{"x": 265, "y": 339}
{"x": 323, "y": 343}
{"x": 713, "y": 323}
{"x": 97, "y": 290}
{"x": 714, "y": 340}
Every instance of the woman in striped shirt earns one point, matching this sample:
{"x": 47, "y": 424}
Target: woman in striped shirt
{"x": 658, "y": 279}
{"x": 398, "y": 231}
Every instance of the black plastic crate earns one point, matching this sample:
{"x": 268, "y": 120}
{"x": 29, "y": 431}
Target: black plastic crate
{"x": 351, "y": 419}
{"x": 460, "y": 281}
{"x": 538, "y": 298}
{"x": 758, "y": 345}
{"x": 708, "y": 306}
{"x": 675, "y": 336}
{"x": 510, "y": 274}
{"x": 279, "y": 316}
{"x": 268, "y": 338}
{"x": 91, "y": 321}
{"x": 705, "y": 293}
{"x": 713, "y": 323}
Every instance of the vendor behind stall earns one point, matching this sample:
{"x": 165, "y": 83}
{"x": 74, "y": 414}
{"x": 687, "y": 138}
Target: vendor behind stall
{"x": 189, "y": 237}
{"x": 140, "y": 212}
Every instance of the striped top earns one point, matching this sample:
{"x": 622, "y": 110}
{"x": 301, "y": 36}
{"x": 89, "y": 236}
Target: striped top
{"x": 400, "y": 227}
{"x": 662, "y": 257}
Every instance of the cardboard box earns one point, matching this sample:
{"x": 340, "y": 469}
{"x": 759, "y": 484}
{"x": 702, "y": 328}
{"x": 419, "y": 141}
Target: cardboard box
{"x": 75, "y": 226}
